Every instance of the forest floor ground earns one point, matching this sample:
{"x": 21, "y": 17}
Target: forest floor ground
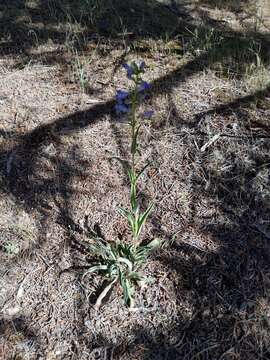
{"x": 209, "y": 147}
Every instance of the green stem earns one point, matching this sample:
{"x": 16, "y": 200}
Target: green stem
{"x": 133, "y": 130}
{"x": 133, "y": 123}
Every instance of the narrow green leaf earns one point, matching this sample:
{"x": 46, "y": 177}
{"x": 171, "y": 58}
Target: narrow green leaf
{"x": 99, "y": 249}
{"x": 95, "y": 269}
{"x": 132, "y": 176}
{"x": 125, "y": 250}
{"x": 125, "y": 261}
{"x": 131, "y": 220}
{"x": 143, "y": 250}
{"x": 135, "y": 227}
{"x": 133, "y": 199}
{"x": 143, "y": 218}
{"x": 113, "y": 252}
{"x": 128, "y": 290}
{"x": 126, "y": 214}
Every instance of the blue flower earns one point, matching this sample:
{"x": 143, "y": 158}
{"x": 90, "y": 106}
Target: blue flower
{"x": 121, "y": 109}
{"x": 144, "y": 86}
{"x": 130, "y": 70}
{"x": 121, "y": 95}
{"x": 148, "y": 114}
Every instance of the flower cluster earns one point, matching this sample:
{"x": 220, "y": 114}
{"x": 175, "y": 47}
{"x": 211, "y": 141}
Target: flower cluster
{"x": 134, "y": 69}
{"x": 122, "y": 105}
{"x": 124, "y": 98}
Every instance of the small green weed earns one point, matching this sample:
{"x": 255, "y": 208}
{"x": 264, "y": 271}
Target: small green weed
{"x": 11, "y": 248}
{"x": 80, "y": 71}
{"x": 121, "y": 262}
{"x": 202, "y": 40}
{"x": 257, "y": 74}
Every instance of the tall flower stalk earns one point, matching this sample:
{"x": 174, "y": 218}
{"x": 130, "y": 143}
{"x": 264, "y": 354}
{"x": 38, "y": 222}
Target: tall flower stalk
{"x": 120, "y": 262}
{"x": 128, "y": 103}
